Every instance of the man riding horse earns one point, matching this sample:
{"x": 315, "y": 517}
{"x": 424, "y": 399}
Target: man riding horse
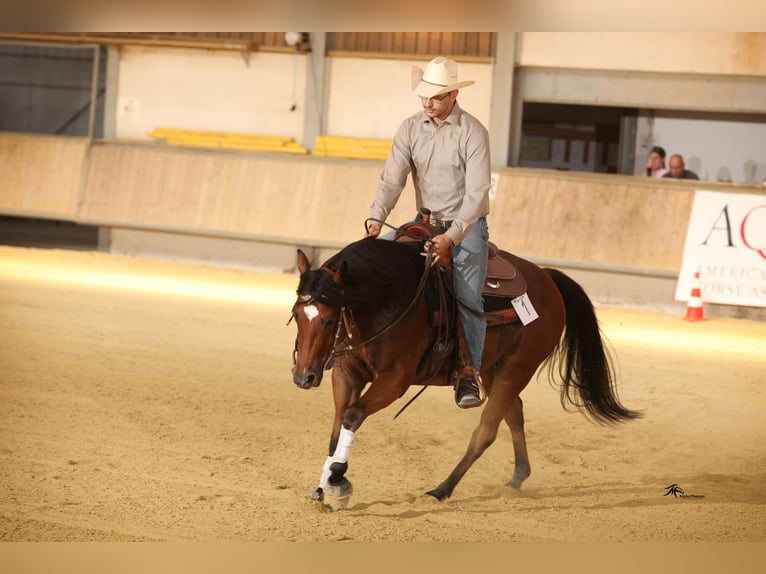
{"x": 446, "y": 150}
{"x": 365, "y": 305}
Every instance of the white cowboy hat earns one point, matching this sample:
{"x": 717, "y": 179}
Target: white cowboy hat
{"x": 440, "y": 77}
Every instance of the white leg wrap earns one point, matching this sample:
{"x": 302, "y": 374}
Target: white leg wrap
{"x": 325, "y": 472}
{"x": 341, "y": 454}
{"x": 345, "y": 442}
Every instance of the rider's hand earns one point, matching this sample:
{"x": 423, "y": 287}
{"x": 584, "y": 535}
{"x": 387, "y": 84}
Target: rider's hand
{"x": 440, "y": 245}
{"x": 373, "y": 230}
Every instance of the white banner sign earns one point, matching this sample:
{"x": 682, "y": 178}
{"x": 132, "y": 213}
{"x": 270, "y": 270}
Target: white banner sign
{"x": 726, "y": 244}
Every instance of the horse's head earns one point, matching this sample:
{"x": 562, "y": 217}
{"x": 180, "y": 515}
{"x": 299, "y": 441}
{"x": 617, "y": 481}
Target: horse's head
{"x": 316, "y": 313}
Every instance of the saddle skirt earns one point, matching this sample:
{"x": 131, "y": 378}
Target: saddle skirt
{"x": 504, "y": 283}
{"x": 503, "y": 277}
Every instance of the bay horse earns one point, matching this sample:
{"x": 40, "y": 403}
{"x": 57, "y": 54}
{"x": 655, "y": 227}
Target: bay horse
{"x": 363, "y": 314}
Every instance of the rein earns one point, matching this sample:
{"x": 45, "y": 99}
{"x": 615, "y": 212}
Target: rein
{"x": 343, "y": 321}
{"x": 344, "y": 316}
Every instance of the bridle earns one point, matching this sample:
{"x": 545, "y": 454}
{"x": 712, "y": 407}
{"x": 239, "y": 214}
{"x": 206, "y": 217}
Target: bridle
{"x": 343, "y": 320}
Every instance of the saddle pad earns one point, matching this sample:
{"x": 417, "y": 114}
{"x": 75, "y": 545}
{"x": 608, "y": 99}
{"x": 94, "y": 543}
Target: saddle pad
{"x": 502, "y": 317}
{"x": 505, "y": 316}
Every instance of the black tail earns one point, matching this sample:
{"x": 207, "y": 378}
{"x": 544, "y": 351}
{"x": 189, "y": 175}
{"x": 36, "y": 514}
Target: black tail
{"x": 582, "y": 364}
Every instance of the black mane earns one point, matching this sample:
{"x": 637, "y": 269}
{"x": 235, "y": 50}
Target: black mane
{"x": 376, "y": 273}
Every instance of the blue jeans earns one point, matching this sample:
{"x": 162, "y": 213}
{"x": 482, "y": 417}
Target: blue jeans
{"x": 469, "y": 262}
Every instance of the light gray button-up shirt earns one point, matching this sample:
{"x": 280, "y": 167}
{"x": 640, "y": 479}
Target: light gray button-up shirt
{"x": 450, "y": 165}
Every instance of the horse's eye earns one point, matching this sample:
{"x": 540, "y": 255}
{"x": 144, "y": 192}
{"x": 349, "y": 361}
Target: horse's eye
{"x": 328, "y": 323}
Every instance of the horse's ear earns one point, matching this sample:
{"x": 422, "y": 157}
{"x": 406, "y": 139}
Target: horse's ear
{"x": 337, "y": 275}
{"x": 303, "y": 262}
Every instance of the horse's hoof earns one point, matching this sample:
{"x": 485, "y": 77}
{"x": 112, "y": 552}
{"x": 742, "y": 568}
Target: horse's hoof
{"x": 317, "y": 495}
{"x": 517, "y": 480}
{"x": 437, "y": 495}
{"x": 336, "y": 496}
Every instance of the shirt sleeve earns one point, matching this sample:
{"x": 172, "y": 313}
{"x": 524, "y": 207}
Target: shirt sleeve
{"x": 394, "y": 176}
{"x": 478, "y": 180}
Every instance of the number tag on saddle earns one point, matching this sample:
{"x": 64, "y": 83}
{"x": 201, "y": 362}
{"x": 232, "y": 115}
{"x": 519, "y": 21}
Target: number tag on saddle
{"x": 524, "y": 309}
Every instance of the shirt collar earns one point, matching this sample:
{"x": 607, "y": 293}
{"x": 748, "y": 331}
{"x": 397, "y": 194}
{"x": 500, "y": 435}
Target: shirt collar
{"x": 453, "y": 117}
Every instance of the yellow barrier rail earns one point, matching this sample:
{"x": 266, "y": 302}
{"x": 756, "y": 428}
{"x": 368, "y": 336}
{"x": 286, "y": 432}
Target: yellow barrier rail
{"x": 227, "y": 140}
{"x": 349, "y": 147}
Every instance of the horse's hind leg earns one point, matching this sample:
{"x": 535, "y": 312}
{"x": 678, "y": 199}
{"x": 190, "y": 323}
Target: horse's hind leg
{"x": 482, "y": 438}
{"x": 515, "y": 419}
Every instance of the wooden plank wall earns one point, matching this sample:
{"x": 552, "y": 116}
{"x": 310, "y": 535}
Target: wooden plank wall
{"x": 604, "y": 219}
{"x": 456, "y": 44}
{"x": 268, "y": 196}
{"x": 607, "y": 219}
{"x": 618, "y": 220}
{"x": 41, "y": 175}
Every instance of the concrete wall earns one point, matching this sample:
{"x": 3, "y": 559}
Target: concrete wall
{"x": 209, "y": 90}
{"x": 369, "y": 97}
{"x": 726, "y": 53}
{"x": 223, "y": 91}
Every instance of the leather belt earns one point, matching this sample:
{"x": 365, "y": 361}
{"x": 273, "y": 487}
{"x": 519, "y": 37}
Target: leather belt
{"x": 445, "y": 224}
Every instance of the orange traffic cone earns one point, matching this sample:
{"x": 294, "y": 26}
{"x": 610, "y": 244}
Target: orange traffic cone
{"x": 694, "y": 311}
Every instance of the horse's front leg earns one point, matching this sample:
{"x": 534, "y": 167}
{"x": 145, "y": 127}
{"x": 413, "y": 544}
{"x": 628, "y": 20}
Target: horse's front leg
{"x": 346, "y": 385}
{"x": 334, "y": 487}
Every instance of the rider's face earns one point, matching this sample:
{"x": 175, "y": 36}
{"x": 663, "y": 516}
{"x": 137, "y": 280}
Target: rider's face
{"x": 439, "y": 107}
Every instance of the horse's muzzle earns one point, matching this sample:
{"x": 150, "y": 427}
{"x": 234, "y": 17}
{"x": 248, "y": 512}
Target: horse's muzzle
{"x": 309, "y": 378}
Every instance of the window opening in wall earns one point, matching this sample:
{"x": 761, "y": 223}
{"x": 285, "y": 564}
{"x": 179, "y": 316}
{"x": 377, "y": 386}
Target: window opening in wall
{"x": 48, "y": 89}
{"x": 571, "y": 137}
{"x": 47, "y": 234}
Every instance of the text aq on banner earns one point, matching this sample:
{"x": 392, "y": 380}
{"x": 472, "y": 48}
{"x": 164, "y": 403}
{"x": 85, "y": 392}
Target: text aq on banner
{"x": 726, "y": 243}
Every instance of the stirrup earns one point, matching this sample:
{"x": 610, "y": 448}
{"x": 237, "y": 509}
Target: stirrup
{"x": 469, "y": 392}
